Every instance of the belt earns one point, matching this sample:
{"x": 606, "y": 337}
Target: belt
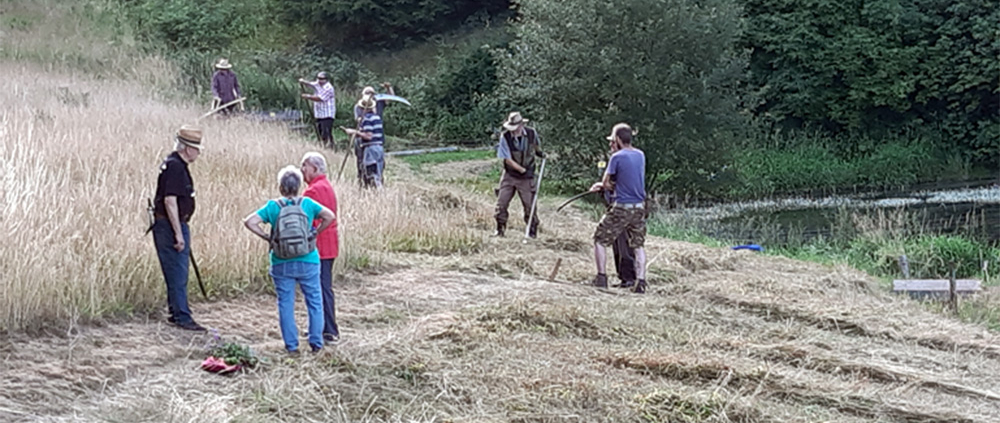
{"x": 158, "y": 216}
{"x": 628, "y": 205}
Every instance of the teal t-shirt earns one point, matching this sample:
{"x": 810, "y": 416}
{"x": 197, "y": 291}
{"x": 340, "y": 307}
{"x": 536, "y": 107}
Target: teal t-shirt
{"x": 269, "y": 214}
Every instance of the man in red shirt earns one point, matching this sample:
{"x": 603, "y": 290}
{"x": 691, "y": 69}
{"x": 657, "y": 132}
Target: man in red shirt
{"x": 320, "y": 190}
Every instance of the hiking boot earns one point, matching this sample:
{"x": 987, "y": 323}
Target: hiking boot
{"x": 315, "y": 349}
{"x": 600, "y": 281}
{"x": 331, "y": 338}
{"x": 293, "y": 353}
{"x": 640, "y": 288}
{"x": 190, "y": 326}
{"x": 500, "y": 228}
{"x": 625, "y": 284}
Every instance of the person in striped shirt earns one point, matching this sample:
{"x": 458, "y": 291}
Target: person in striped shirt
{"x": 371, "y": 138}
{"x": 324, "y": 106}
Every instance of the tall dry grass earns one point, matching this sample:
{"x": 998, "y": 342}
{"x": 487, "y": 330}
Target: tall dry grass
{"x": 80, "y": 156}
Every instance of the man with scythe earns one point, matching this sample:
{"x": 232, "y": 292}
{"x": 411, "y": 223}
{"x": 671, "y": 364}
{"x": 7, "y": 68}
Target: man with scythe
{"x": 370, "y": 137}
{"x": 627, "y": 214}
{"x": 172, "y": 209}
{"x": 324, "y": 106}
{"x": 518, "y": 148}
{"x": 225, "y": 87}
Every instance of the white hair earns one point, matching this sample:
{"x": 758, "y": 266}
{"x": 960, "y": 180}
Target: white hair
{"x": 316, "y": 160}
{"x": 289, "y": 180}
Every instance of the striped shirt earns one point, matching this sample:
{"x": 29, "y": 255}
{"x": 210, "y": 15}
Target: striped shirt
{"x": 326, "y": 108}
{"x": 372, "y": 123}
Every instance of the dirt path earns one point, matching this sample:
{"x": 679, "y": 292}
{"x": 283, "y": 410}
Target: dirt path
{"x": 721, "y": 336}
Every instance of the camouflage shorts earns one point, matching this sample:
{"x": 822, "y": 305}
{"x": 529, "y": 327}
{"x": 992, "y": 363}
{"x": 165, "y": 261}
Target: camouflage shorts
{"x": 618, "y": 220}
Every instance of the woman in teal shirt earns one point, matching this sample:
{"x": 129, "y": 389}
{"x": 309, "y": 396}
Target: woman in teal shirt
{"x": 303, "y": 269}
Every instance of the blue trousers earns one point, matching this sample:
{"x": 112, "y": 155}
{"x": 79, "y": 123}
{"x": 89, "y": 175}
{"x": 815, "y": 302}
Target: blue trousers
{"x": 329, "y": 310}
{"x": 174, "y": 265}
{"x": 306, "y": 275}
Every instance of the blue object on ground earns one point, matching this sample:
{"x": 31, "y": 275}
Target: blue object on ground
{"x": 753, "y": 247}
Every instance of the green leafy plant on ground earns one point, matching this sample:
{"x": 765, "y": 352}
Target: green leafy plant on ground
{"x": 233, "y": 353}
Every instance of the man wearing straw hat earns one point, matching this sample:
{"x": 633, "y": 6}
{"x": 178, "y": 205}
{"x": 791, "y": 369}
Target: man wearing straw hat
{"x": 518, "y": 147}
{"x": 225, "y": 86}
{"x": 372, "y": 138}
{"x": 324, "y": 106}
{"x": 626, "y": 176}
{"x": 172, "y": 209}
{"x": 379, "y": 104}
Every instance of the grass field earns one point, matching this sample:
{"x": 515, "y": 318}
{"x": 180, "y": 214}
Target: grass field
{"x": 440, "y": 322}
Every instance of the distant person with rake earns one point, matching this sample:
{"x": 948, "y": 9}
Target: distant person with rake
{"x": 324, "y": 106}
{"x": 518, "y": 148}
{"x": 372, "y": 138}
{"x": 627, "y": 213}
{"x": 172, "y": 209}
{"x": 294, "y": 257}
{"x": 319, "y": 189}
{"x": 225, "y": 87}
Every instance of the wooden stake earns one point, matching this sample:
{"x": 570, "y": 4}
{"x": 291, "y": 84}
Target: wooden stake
{"x": 555, "y": 270}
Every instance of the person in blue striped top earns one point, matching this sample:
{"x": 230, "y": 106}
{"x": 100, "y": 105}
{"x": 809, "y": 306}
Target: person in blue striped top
{"x": 371, "y": 140}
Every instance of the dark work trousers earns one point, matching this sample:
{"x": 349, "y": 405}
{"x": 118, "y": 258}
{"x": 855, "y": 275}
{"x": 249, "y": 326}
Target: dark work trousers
{"x": 525, "y": 188}
{"x": 326, "y": 287}
{"x": 174, "y": 265}
{"x": 324, "y": 128}
{"x": 624, "y": 258}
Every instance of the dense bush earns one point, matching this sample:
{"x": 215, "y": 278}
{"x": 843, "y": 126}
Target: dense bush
{"x": 455, "y": 102}
{"x": 666, "y": 67}
{"x": 364, "y": 24}
{"x": 867, "y": 66}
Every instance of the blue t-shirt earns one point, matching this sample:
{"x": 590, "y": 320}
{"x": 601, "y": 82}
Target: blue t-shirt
{"x": 628, "y": 166}
{"x": 269, "y": 214}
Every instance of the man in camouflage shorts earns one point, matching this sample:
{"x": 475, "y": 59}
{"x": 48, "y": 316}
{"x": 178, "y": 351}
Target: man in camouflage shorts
{"x": 627, "y": 170}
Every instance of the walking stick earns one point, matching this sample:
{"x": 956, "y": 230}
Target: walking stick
{"x": 197, "y": 274}
{"x": 534, "y": 202}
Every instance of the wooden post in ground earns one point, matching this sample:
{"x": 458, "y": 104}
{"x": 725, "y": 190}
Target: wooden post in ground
{"x": 555, "y": 270}
{"x": 953, "y": 296}
{"x": 904, "y": 266}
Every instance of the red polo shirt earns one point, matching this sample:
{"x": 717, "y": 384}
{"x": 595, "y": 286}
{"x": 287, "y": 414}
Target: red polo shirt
{"x": 320, "y": 191}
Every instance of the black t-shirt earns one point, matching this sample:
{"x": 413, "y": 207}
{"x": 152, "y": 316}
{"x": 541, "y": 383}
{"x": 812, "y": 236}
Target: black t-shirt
{"x": 175, "y": 180}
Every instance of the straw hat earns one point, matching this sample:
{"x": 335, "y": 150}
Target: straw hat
{"x": 190, "y": 136}
{"x": 223, "y": 64}
{"x": 614, "y": 130}
{"x": 367, "y": 102}
{"x": 514, "y": 120}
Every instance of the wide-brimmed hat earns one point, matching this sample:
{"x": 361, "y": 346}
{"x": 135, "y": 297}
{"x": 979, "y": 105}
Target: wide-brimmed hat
{"x": 614, "y": 130}
{"x": 223, "y": 64}
{"x": 514, "y": 120}
{"x": 190, "y": 136}
{"x": 323, "y": 75}
{"x": 367, "y": 102}
{"x": 368, "y": 90}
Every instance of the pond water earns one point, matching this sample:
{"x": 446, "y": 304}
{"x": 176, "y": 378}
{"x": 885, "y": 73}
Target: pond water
{"x": 972, "y": 211}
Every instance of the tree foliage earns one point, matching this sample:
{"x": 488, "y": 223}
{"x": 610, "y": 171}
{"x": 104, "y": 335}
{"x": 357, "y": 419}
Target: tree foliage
{"x": 854, "y": 65}
{"x": 384, "y": 23}
{"x": 667, "y": 67}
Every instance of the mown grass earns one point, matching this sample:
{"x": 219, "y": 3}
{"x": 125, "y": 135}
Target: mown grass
{"x": 874, "y": 245}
